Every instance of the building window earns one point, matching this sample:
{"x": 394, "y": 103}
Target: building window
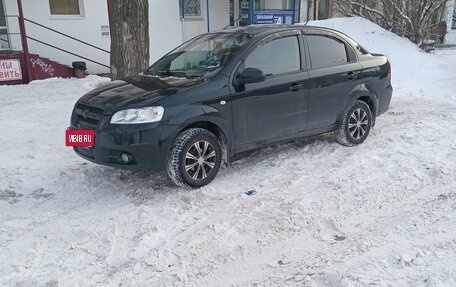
{"x": 190, "y": 8}
{"x": 4, "y": 41}
{"x": 262, "y": 4}
{"x": 2, "y": 15}
{"x": 65, "y": 7}
{"x": 323, "y": 9}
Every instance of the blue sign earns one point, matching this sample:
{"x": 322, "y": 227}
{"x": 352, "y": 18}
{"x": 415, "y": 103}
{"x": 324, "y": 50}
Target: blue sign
{"x": 273, "y": 17}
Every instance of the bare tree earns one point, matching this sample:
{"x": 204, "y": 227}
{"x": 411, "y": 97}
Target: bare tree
{"x": 415, "y": 19}
{"x": 129, "y": 37}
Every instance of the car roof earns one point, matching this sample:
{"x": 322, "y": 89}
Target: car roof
{"x": 267, "y": 29}
{"x": 271, "y": 28}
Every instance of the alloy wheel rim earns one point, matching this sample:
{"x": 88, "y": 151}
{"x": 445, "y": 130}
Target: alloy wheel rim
{"x": 200, "y": 160}
{"x": 358, "y": 123}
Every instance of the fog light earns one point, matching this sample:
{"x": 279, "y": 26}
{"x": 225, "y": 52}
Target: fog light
{"x": 126, "y": 158}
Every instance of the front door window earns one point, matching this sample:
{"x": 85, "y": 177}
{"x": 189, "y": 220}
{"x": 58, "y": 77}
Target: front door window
{"x": 276, "y": 57}
{"x": 4, "y": 42}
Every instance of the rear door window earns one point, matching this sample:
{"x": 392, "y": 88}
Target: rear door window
{"x": 326, "y": 51}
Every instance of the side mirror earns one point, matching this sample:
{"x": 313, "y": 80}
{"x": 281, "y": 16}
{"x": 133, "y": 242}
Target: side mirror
{"x": 252, "y": 75}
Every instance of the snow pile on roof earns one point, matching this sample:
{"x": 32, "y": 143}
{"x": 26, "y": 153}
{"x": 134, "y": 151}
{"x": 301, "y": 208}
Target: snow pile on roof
{"x": 410, "y": 65}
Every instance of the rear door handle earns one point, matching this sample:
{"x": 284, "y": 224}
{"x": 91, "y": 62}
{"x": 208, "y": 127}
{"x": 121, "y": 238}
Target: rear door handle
{"x": 350, "y": 76}
{"x": 295, "y": 86}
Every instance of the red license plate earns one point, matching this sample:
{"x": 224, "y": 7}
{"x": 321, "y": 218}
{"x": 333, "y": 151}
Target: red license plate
{"x": 84, "y": 138}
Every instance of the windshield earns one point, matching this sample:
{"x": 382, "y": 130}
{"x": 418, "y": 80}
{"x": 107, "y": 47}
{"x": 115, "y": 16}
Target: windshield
{"x": 200, "y": 56}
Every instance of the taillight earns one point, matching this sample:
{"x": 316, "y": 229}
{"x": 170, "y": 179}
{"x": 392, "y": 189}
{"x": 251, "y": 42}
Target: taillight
{"x": 388, "y": 71}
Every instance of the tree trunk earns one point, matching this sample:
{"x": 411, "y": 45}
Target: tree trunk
{"x": 129, "y": 37}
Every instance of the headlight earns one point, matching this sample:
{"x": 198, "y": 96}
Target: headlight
{"x": 138, "y": 116}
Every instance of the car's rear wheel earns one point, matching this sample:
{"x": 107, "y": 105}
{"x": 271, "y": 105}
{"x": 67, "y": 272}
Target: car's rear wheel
{"x": 355, "y": 124}
{"x": 194, "y": 158}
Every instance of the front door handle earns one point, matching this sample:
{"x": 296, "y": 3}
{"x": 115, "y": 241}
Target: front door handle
{"x": 295, "y": 86}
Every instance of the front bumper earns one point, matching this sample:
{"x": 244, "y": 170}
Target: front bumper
{"x": 142, "y": 143}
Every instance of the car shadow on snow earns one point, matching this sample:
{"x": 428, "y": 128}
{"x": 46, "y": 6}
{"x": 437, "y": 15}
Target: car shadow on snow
{"x": 103, "y": 179}
{"x": 147, "y": 184}
{"x": 275, "y": 150}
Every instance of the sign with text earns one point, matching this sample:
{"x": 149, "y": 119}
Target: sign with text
{"x": 84, "y": 138}
{"x": 10, "y": 70}
{"x": 273, "y": 17}
{"x": 105, "y": 31}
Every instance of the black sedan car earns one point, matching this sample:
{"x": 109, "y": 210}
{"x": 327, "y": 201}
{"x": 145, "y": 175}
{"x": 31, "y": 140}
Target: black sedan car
{"x": 230, "y": 91}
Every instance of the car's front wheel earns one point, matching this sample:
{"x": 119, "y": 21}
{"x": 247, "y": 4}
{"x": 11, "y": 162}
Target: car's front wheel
{"x": 355, "y": 124}
{"x": 194, "y": 158}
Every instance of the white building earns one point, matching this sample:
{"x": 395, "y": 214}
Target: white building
{"x": 171, "y": 22}
{"x": 450, "y": 12}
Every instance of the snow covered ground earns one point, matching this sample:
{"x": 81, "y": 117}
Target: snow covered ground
{"x": 380, "y": 214}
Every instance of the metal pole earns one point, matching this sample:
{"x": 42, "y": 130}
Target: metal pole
{"x": 182, "y": 20}
{"x": 109, "y": 14}
{"x": 24, "y": 40}
{"x": 308, "y": 10}
{"x": 252, "y": 8}
{"x": 316, "y": 6}
{"x": 294, "y": 12}
{"x": 207, "y": 15}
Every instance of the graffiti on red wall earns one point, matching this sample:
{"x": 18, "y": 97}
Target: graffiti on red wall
{"x": 45, "y": 67}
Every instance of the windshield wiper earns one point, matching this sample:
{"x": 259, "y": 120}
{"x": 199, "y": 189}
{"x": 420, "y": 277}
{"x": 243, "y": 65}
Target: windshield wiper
{"x": 168, "y": 73}
{"x": 173, "y": 74}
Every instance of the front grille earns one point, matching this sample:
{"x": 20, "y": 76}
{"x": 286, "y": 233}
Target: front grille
{"x": 87, "y": 116}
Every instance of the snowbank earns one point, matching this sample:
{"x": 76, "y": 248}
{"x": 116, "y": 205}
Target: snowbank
{"x": 411, "y": 67}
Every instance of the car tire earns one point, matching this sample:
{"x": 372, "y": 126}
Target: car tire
{"x": 194, "y": 158}
{"x": 355, "y": 124}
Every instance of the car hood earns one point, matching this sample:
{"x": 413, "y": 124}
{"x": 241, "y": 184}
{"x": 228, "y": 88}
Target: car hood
{"x": 135, "y": 91}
